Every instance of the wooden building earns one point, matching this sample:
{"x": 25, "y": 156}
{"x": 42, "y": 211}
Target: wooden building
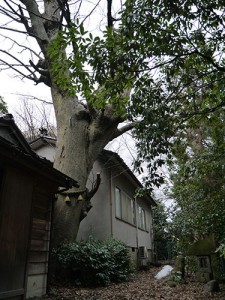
{"x": 28, "y": 185}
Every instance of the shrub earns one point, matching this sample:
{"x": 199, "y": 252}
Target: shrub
{"x": 95, "y": 262}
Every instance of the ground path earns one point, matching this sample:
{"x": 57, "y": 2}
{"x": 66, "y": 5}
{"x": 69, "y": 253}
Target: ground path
{"x": 143, "y": 287}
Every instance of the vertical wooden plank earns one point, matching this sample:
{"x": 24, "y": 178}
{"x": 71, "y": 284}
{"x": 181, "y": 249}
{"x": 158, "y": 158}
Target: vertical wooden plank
{"x": 15, "y": 210}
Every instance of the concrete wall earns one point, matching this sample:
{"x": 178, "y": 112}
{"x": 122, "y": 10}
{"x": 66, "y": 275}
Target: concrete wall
{"x": 129, "y": 233}
{"x": 98, "y": 221}
{"x": 101, "y": 222}
{"x": 47, "y": 151}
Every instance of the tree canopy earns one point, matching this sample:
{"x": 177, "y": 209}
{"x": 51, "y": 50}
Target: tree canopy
{"x": 165, "y": 54}
{"x": 181, "y": 46}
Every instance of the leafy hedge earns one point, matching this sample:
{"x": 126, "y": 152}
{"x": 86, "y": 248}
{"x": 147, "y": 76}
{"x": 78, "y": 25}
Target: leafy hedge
{"x": 95, "y": 262}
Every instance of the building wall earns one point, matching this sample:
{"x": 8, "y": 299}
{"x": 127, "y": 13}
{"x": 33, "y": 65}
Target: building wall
{"x": 40, "y": 240}
{"x": 47, "y": 151}
{"x": 98, "y": 221}
{"x": 101, "y": 222}
{"x": 16, "y": 191}
{"x": 129, "y": 233}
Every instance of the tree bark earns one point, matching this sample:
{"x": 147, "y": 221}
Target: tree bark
{"x": 82, "y": 135}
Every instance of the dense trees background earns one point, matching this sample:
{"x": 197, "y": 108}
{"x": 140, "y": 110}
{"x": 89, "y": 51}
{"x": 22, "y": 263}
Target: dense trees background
{"x": 198, "y": 181}
{"x": 182, "y": 98}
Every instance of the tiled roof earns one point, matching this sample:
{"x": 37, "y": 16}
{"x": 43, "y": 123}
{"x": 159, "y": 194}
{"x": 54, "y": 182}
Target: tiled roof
{"x": 15, "y": 148}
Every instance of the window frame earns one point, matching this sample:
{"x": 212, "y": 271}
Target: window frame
{"x": 125, "y": 205}
{"x": 141, "y": 218}
{"x": 135, "y": 214}
{"x": 118, "y": 203}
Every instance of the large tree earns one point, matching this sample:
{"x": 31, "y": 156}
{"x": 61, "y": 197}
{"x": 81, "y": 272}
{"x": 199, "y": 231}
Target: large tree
{"x": 50, "y": 35}
{"x": 150, "y": 68}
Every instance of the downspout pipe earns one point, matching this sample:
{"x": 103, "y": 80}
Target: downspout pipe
{"x": 111, "y": 203}
{"x": 137, "y": 239}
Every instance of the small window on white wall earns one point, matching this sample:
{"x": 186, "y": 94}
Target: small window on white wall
{"x": 125, "y": 208}
{"x": 141, "y": 217}
{"x": 133, "y": 212}
{"x": 118, "y": 203}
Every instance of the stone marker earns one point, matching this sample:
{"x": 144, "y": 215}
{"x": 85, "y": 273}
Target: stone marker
{"x": 212, "y": 286}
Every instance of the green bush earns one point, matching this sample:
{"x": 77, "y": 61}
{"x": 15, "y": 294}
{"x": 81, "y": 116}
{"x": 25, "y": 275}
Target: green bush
{"x": 95, "y": 262}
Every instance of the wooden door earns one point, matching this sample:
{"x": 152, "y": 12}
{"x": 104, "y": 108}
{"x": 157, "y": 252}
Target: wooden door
{"x": 15, "y": 222}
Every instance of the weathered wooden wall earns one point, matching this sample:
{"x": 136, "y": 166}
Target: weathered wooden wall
{"x": 25, "y": 218}
{"x": 27, "y": 187}
{"x": 40, "y": 240}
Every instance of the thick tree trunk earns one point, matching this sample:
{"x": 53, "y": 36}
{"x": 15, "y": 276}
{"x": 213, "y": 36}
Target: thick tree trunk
{"x": 81, "y": 137}
{"x": 71, "y": 159}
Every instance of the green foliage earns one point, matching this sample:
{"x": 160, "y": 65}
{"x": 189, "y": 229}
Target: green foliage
{"x": 162, "y": 237}
{"x": 163, "y": 66}
{"x": 221, "y": 248}
{"x": 98, "y": 69}
{"x": 198, "y": 181}
{"x": 95, "y": 262}
{"x": 176, "y": 277}
{"x": 191, "y": 265}
{"x": 181, "y": 49}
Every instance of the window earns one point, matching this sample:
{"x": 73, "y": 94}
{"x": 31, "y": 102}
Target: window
{"x": 133, "y": 212}
{"x": 125, "y": 207}
{"x": 141, "y": 218}
{"x": 118, "y": 203}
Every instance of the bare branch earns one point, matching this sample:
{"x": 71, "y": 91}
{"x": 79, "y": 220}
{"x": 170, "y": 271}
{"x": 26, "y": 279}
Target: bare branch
{"x": 17, "y": 60}
{"x": 24, "y": 21}
{"x": 44, "y": 72}
{"x": 91, "y": 11}
{"x": 25, "y": 48}
{"x": 18, "y": 31}
{"x": 31, "y": 117}
{"x": 29, "y": 97}
{"x": 14, "y": 68}
{"x": 38, "y": 28}
{"x": 64, "y": 6}
{"x": 95, "y": 187}
{"x": 123, "y": 129}
{"x": 211, "y": 61}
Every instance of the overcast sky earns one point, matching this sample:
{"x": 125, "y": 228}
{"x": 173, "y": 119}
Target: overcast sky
{"x": 11, "y": 87}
